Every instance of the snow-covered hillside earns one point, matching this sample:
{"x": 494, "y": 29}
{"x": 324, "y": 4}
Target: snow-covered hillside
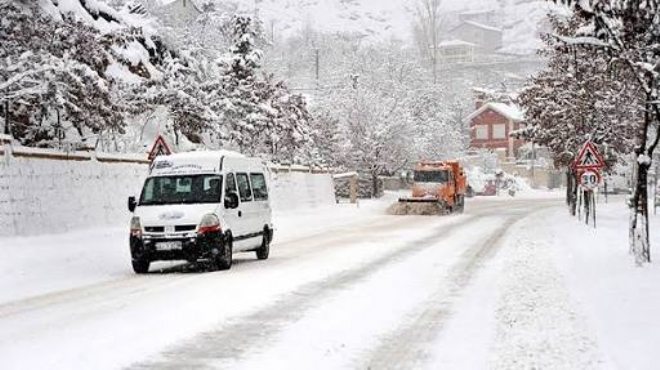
{"x": 521, "y": 21}
{"x": 371, "y": 18}
{"x": 522, "y": 24}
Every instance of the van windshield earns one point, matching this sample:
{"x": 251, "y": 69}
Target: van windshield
{"x": 181, "y": 189}
{"x": 431, "y": 176}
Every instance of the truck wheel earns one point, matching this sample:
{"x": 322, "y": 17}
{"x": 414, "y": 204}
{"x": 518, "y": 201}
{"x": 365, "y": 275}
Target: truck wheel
{"x": 264, "y": 250}
{"x": 461, "y": 204}
{"x": 224, "y": 259}
{"x": 141, "y": 265}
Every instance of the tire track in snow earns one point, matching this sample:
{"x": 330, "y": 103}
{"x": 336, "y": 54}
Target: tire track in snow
{"x": 233, "y": 340}
{"x": 407, "y": 346}
{"x": 120, "y": 289}
{"x": 106, "y": 292}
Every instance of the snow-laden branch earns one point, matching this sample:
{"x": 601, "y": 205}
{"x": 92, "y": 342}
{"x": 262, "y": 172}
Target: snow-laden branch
{"x": 582, "y": 40}
{"x": 18, "y": 77}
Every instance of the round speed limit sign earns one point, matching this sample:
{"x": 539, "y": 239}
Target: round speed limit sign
{"x": 590, "y": 179}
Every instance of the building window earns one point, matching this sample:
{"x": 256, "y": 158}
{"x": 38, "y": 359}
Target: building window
{"x": 481, "y": 132}
{"x": 499, "y": 131}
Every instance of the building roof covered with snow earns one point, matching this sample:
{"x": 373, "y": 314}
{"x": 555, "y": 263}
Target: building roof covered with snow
{"x": 509, "y": 111}
{"x": 450, "y": 43}
{"x": 487, "y": 37}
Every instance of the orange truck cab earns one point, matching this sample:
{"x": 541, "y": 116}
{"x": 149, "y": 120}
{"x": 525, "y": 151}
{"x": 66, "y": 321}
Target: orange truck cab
{"x": 440, "y": 181}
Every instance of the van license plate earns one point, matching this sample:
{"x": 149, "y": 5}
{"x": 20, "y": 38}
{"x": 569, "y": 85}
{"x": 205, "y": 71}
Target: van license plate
{"x": 168, "y": 246}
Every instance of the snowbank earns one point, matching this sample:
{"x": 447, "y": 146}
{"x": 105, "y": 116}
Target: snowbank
{"x": 297, "y": 190}
{"x": 478, "y": 179}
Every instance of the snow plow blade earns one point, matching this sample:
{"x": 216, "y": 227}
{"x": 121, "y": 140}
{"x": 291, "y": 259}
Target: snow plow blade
{"x": 418, "y": 206}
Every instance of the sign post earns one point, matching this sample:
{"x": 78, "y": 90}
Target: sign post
{"x": 588, "y": 165}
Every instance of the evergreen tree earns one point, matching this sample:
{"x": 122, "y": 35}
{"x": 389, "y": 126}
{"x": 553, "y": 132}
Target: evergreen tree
{"x": 259, "y": 115}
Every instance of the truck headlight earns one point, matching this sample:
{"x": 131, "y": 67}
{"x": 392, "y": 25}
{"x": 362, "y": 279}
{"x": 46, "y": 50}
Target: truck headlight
{"x": 136, "y": 227}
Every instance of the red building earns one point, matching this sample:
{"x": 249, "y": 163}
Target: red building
{"x": 491, "y": 124}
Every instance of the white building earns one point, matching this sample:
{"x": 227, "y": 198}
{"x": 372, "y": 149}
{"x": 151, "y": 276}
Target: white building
{"x": 488, "y": 38}
{"x": 456, "y": 51}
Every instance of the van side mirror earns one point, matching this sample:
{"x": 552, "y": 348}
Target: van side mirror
{"x": 231, "y": 200}
{"x": 131, "y": 204}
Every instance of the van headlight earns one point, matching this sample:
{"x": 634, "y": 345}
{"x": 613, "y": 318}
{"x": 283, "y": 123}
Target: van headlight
{"x": 210, "y": 223}
{"x": 136, "y": 227}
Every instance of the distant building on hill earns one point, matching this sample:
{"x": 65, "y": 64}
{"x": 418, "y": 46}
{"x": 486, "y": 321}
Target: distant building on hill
{"x": 487, "y": 17}
{"x": 456, "y": 51}
{"x": 488, "y": 38}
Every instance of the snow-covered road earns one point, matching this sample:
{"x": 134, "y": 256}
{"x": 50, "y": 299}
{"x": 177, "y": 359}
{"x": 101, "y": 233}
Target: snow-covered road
{"x": 365, "y": 290}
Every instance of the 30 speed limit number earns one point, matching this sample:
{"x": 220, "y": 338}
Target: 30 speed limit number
{"x": 590, "y": 179}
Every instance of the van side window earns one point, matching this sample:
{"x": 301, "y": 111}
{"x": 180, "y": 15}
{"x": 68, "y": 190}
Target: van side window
{"x": 243, "y": 187}
{"x": 259, "y": 186}
{"x": 230, "y": 184}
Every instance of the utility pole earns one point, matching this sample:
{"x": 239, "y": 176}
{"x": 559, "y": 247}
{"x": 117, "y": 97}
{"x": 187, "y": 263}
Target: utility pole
{"x": 58, "y": 130}
{"x": 7, "y": 128}
{"x": 533, "y": 164}
{"x": 655, "y": 190}
{"x": 316, "y": 66}
{"x": 272, "y": 32}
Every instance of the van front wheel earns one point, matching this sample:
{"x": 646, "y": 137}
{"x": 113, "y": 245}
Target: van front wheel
{"x": 264, "y": 250}
{"x": 141, "y": 265}
{"x": 224, "y": 259}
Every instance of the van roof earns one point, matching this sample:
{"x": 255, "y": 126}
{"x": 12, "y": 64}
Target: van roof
{"x": 191, "y": 162}
{"x": 202, "y": 154}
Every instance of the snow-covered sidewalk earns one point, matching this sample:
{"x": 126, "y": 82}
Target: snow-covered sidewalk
{"x": 559, "y": 295}
{"x": 620, "y": 300}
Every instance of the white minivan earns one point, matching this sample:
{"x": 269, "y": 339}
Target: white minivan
{"x": 201, "y": 205}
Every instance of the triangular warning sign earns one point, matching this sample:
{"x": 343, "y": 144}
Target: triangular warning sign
{"x": 589, "y": 157}
{"x": 159, "y": 148}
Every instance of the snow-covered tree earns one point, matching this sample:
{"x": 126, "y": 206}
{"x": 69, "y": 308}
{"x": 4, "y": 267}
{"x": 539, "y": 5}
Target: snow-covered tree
{"x": 385, "y": 114}
{"x": 438, "y": 129}
{"x": 427, "y": 28}
{"x": 259, "y": 115}
{"x": 51, "y": 76}
{"x": 579, "y": 96}
{"x": 629, "y": 31}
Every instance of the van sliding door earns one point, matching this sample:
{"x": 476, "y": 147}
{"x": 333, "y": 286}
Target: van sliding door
{"x": 250, "y": 213}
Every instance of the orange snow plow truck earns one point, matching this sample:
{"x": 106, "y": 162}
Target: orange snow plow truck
{"x": 439, "y": 188}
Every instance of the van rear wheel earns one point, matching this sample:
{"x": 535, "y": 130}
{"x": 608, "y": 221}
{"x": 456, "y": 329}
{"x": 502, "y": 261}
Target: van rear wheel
{"x": 141, "y": 265}
{"x": 223, "y": 260}
{"x": 264, "y": 250}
